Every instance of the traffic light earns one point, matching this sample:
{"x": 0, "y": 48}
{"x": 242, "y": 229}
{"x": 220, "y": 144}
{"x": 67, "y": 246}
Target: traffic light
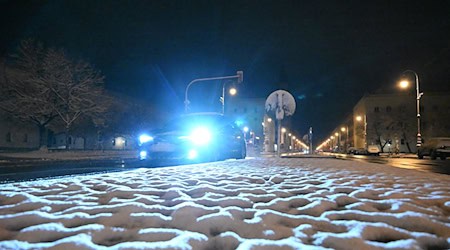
{"x": 240, "y": 75}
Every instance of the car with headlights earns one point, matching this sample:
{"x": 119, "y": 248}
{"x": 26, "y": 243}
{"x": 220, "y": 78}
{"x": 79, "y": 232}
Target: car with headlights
{"x": 435, "y": 147}
{"x": 196, "y": 137}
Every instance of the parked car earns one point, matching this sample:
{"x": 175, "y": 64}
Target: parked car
{"x": 195, "y": 137}
{"x": 373, "y": 150}
{"x": 360, "y": 151}
{"x": 435, "y": 147}
{"x": 351, "y": 150}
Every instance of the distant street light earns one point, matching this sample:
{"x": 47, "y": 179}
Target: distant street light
{"x": 233, "y": 91}
{"x": 345, "y": 129}
{"x": 364, "y": 120}
{"x": 338, "y": 140}
{"x": 405, "y": 84}
{"x": 239, "y": 76}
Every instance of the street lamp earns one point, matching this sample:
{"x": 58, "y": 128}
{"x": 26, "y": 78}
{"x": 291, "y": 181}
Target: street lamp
{"x": 338, "y": 139}
{"x": 239, "y": 76}
{"x": 345, "y": 129}
{"x": 232, "y": 91}
{"x": 404, "y": 84}
{"x": 364, "y": 120}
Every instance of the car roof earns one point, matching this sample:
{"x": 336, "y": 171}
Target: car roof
{"x": 202, "y": 114}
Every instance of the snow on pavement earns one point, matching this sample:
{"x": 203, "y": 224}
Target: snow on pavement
{"x": 263, "y": 203}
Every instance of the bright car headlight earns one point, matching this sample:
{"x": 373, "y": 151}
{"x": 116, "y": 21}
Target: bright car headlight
{"x": 200, "y": 136}
{"x": 145, "y": 138}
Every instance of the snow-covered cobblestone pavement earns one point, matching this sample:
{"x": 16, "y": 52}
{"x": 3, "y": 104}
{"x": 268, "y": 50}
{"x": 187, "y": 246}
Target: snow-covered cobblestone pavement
{"x": 264, "y": 203}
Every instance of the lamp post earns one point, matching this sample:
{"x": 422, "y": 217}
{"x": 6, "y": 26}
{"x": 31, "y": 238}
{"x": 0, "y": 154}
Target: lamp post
{"x": 338, "y": 139}
{"x": 332, "y": 143}
{"x": 364, "y": 120}
{"x": 404, "y": 84}
{"x": 233, "y": 91}
{"x": 345, "y": 129}
{"x": 239, "y": 76}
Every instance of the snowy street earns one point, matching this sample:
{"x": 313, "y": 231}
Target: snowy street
{"x": 262, "y": 203}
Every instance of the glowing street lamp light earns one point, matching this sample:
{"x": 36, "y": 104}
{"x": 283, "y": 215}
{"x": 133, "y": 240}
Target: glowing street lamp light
{"x": 345, "y": 129}
{"x": 404, "y": 84}
{"x": 239, "y": 77}
{"x": 232, "y": 91}
{"x": 338, "y": 140}
{"x": 363, "y": 119}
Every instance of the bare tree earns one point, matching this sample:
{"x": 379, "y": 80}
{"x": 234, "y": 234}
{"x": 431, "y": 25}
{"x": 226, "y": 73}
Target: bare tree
{"x": 382, "y": 128}
{"x": 45, "y": 84}
{"x": 24, "y": 94}
{"x": 78, "y": 89}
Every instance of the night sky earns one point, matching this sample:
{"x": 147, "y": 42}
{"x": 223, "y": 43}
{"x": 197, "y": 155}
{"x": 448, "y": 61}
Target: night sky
{"x": 328, "y": 54}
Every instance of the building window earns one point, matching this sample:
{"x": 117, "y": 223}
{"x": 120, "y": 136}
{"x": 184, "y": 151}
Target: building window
{"x": 402, "y": 141}
{"x": 388, "y": 109}
{"x": 8, "y": 137}
{"x": 376, "y": 109}
{"x": 25, "y": 138}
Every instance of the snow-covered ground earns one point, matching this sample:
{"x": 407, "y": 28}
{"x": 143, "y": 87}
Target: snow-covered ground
{"x": 262, "y": 203}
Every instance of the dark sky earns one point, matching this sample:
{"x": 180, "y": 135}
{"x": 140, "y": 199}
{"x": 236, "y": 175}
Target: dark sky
{"x": 326, "y": 53}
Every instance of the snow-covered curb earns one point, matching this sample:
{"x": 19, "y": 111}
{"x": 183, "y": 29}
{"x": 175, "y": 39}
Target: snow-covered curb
{"x": 248, "y": 204}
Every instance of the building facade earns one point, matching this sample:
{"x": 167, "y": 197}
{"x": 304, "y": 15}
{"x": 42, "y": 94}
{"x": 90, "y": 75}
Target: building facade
{"x": 16, "y": 134}
{"x": 250, "y": 113}
{"x": 390, "y": 120}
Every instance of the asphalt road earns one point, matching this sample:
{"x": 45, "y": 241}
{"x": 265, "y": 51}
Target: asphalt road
{"x": 426, "y": 165}
{"x": 29, "y": 170}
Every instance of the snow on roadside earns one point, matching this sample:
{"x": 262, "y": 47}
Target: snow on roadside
{"x": 247, "y": 204}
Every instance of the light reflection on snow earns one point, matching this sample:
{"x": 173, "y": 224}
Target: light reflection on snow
{"x": 264, "y": 204}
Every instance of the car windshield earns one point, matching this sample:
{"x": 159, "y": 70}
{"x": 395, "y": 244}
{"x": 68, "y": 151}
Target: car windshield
{"x": 186, "y": 122}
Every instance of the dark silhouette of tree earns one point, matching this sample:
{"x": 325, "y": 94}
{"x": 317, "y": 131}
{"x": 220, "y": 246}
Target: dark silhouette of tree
{"x": 24, "y": 94}
{"x": 45, "y": 84}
